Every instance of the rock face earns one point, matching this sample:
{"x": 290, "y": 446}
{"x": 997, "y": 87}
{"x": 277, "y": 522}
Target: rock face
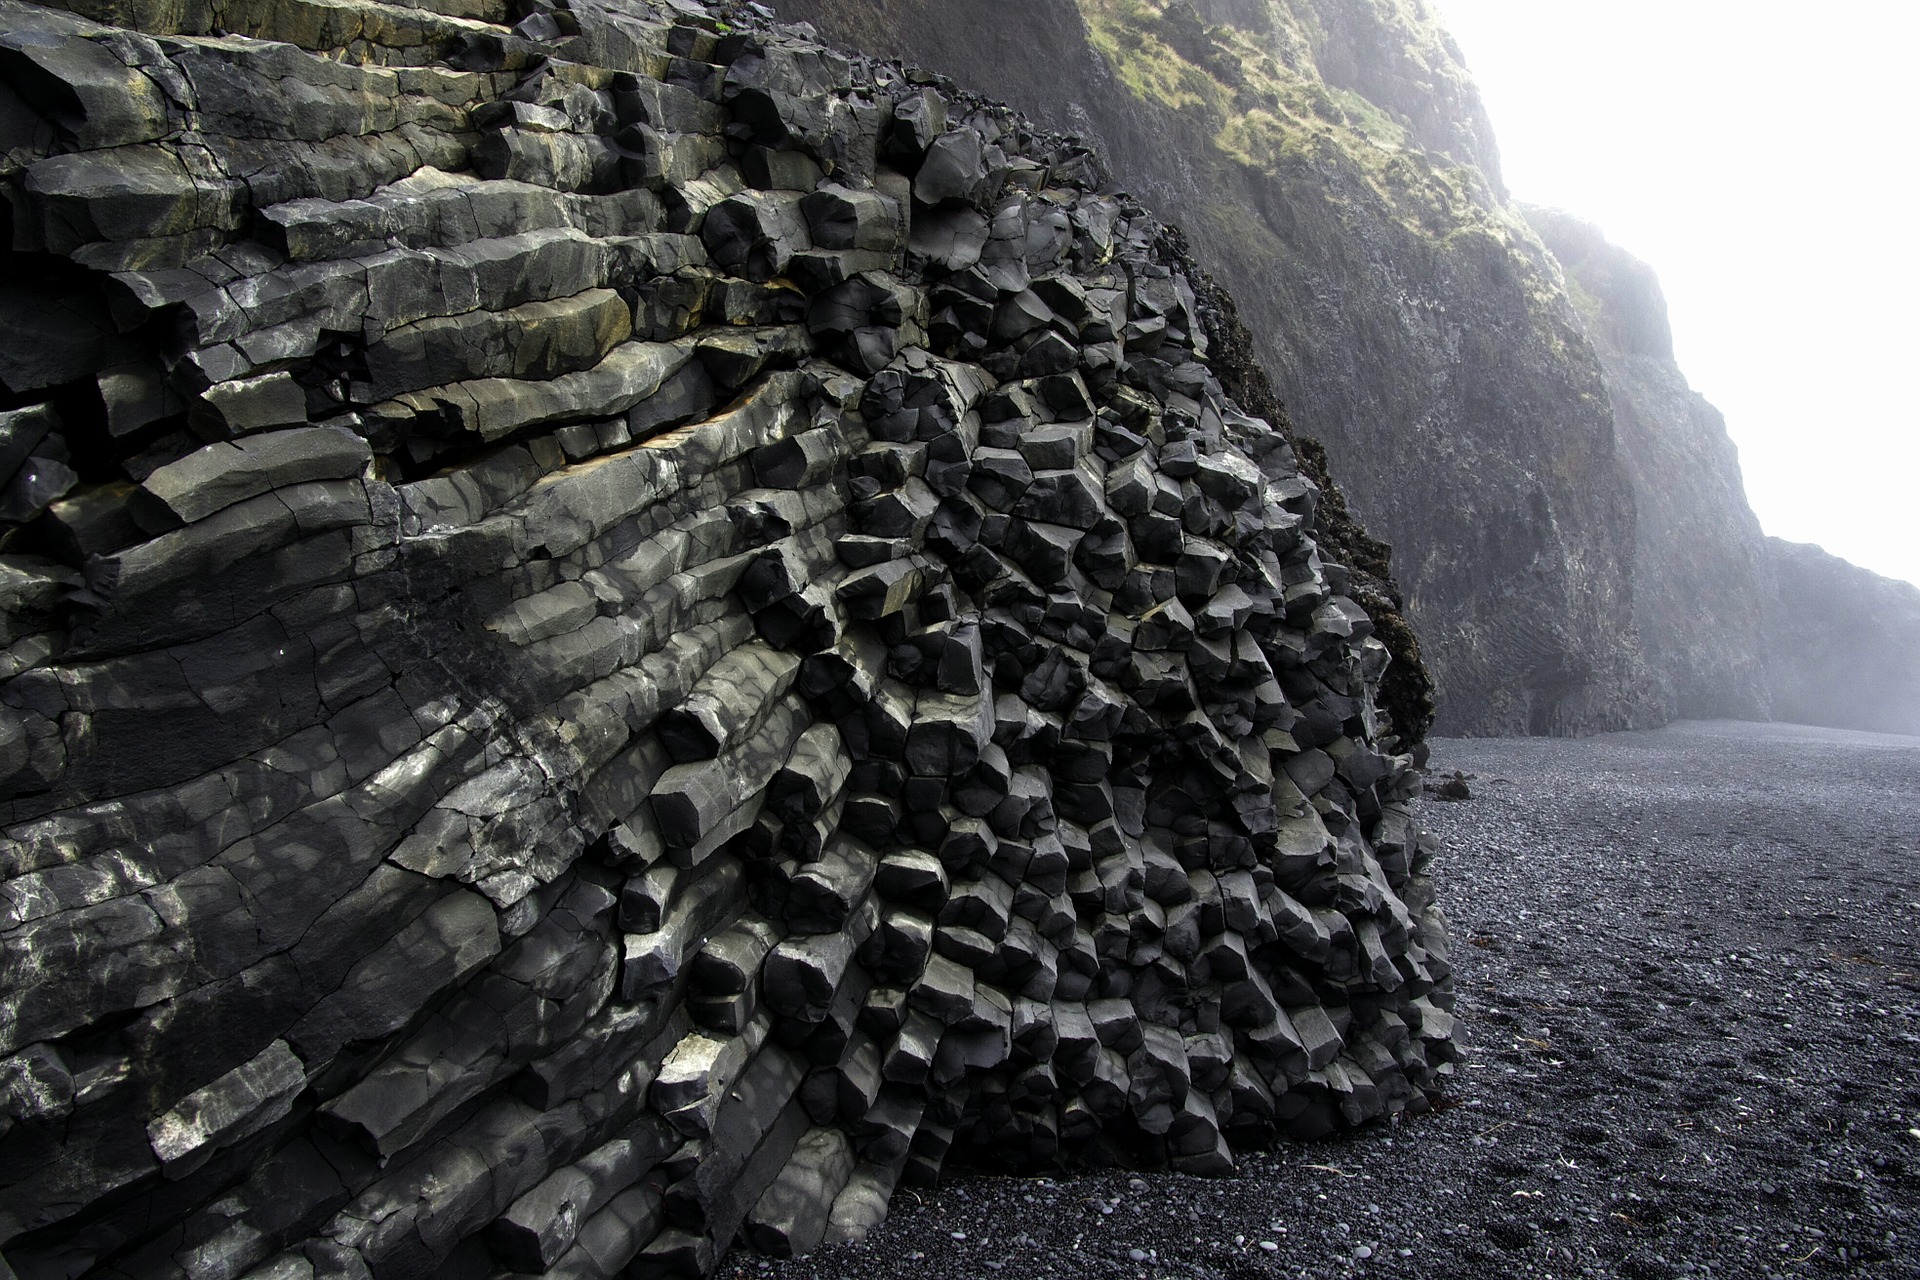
{"x": 1843, "y": 643}
{"x": 1701, "y": 577}
{"x": 1735, "y": 624}
{"x": 621, "y": 631}
{"x": 1495, "y": 385}
{"x": 1330, "y": 158}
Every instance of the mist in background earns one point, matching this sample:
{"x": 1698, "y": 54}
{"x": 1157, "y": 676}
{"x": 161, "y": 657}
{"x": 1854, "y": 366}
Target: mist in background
{"x": 1760, "y": 157}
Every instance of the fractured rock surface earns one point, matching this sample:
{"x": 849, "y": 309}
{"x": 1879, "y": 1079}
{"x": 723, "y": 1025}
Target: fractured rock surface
{"x": 624, "y": 632}
{"x": 1494, "y": 382}
{"x": 1335, "y": 152}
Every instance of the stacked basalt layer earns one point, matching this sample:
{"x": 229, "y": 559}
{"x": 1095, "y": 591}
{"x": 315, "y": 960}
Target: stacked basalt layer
{"x": 624, "y": 632}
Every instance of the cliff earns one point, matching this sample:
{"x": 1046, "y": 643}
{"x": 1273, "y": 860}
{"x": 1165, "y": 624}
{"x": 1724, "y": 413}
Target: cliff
{"x": 1494, "y": 385}
{"x": 622, "y": 632}
{"x": 1701, "y": 576}
{"x": 1332, "y": 161}
{"x": 1843, "y": 643}
{"x": 1735, "y": 624}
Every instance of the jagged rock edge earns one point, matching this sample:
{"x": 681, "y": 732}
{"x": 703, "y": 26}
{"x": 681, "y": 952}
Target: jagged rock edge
{"x": 524, "y": 820}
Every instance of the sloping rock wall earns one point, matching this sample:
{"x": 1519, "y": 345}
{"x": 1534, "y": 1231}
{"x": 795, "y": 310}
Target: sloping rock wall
{"x": 621, "y": 631}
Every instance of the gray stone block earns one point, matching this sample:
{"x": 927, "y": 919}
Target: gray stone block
{"x": 220, "y": 475}
{"x": 756, "y": 233}
{"x": 244, "y": 1101}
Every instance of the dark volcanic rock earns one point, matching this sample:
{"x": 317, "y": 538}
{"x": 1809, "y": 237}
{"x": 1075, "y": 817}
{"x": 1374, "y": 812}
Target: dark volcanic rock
{"x": 1691, "y": 993}
{"x": 1406, "y": 691}
{"x": 640, "y": 632}
{"x": 1576, "y": 550}
{"x": 1332, "y": 161}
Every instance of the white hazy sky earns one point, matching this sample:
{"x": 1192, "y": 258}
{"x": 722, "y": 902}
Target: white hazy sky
{"x": 1764, "y": 158}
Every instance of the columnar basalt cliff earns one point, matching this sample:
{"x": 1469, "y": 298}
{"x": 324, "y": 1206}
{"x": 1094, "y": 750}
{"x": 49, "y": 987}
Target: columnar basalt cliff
{"x": 622, "y": 631}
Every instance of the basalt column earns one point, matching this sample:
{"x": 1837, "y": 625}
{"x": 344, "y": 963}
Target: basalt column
{"x": 622, "y": 632}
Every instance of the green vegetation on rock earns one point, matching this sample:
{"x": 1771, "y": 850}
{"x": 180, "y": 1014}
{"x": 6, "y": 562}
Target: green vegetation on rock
{"x": 1269, "y": 107}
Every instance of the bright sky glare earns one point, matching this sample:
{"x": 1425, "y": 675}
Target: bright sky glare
{"x": 1763, "y": 158}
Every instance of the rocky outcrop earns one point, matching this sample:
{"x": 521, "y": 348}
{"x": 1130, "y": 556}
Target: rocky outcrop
{"x": 622, "y": 631}
{"x": 1494, "y": 385}
{"x": 1330, "y": 158}
{"x": 1843, "y": 643}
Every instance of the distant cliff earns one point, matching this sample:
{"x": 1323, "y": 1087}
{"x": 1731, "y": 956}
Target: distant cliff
{"x": 1733, "y": 623}
{"x": 1843, "y": 642}
{"x": 1495, "y": 385}
{"x": 1700, "y": 568}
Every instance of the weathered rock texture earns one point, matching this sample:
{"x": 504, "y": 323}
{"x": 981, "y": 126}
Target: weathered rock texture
{"x": 1331, "y": 158}
{"x": 621, "y": 631}
{"x": 1576, "y": 546}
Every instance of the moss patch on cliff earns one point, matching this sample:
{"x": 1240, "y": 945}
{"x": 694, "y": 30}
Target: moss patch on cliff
{"x": 1268, "y": 107}
{"x": 1267, "y": 102}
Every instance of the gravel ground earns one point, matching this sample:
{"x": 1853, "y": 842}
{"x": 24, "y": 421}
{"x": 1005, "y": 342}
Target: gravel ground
{"x": 1689, "y": 971}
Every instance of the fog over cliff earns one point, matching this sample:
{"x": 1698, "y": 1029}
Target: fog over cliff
{"x": 1789, "y": 296}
